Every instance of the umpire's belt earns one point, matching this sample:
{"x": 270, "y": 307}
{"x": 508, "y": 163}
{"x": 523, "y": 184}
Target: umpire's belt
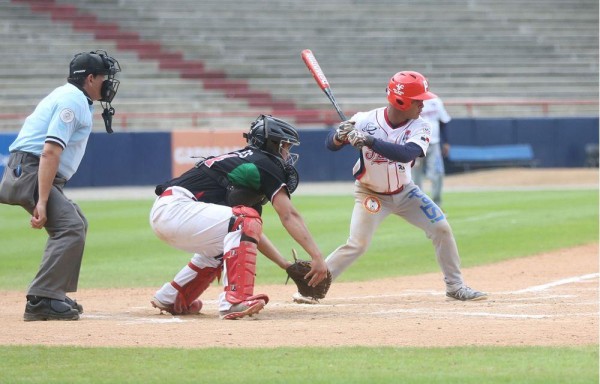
{"x": 177, "y": 191}
{"x": 25, "y": 157}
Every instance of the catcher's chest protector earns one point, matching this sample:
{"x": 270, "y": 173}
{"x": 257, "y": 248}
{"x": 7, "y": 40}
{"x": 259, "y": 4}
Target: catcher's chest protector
{"x": 240, "y": 260}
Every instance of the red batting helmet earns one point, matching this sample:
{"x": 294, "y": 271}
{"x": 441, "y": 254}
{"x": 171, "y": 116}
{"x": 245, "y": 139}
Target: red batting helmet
{"x": 406, "y": 86}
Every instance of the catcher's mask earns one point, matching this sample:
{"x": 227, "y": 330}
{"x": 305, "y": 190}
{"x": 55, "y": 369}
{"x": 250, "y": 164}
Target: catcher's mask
{"x": 98, "y": 63}
{"x": 274, "y": 136}
{"x": 407, "y": 86}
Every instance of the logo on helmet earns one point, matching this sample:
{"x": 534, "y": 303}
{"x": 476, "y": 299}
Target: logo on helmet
{"x": 399, "y": 89}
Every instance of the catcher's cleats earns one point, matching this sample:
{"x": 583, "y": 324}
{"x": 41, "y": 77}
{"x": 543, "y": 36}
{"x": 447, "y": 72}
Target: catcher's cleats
{"x": 298, "y": 298}
{"x": 193, "y": 309}
{"x": 245, "y": 308}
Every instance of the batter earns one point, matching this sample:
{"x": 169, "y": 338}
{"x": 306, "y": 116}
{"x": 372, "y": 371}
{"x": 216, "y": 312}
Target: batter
{"x": 389, "y": 140}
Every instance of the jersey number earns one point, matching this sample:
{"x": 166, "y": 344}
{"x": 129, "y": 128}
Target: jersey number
{"x": 240, "y": 154}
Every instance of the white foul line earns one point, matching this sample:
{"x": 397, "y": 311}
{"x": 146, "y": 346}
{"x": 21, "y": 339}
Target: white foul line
{"x": 446, "y": 313}
{"x": 542, "y": 287}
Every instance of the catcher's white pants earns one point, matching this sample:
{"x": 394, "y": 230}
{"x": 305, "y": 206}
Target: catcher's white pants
{"x": 196, "y": 227}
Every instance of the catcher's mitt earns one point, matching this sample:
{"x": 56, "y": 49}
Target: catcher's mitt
{"x": 298, "y": 270}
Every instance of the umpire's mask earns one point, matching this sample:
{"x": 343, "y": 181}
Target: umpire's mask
{"x": 99, "y": 63}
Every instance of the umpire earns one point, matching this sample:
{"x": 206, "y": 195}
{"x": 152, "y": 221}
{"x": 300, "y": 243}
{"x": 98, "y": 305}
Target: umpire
{"x": 44, "y": 156}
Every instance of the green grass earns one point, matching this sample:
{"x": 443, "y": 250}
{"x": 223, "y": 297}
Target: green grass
{"x": 122, "y": 251}
{"x": 300, "y": 365}
{"x": 488, "y": 226}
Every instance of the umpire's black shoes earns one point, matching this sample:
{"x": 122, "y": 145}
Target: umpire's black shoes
{"x": 43, "y": 308}
{"x": 74, "y": 304}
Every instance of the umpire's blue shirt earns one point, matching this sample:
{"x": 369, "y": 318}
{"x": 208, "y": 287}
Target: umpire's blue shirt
{"x": 64, "y": 117}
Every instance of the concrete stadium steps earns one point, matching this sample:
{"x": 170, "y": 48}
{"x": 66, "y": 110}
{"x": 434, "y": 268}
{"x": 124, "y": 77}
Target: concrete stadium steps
{"x": 231, "y": 32}
{"x": 150, "y": 123}
{"x": 226, "y": 55}
{"x": 522, "y": 110}
{"x": 54, "y": 45}
{"x": 142, "y": 115}
{"x": 148, "y": 105}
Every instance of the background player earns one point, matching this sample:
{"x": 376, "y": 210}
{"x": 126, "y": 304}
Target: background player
{"x": 214, "y": 210}
{"x": 389, "y": 139}
{"x": 432, "y": 165}
{"x": 44, "y": 156}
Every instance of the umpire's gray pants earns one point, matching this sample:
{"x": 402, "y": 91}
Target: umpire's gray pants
{"x": 66, "y": 227}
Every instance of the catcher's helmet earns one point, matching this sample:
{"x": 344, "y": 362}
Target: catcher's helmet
{"x": 406, "y": 86}
{"x": 267, "y": 133}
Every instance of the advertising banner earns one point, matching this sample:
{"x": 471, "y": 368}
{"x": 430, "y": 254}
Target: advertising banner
{"x": 6, "y": 140}
{"x": 189, "y": 147}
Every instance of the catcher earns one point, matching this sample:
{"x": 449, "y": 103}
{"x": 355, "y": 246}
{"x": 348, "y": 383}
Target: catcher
{"x": 214, "y": 211}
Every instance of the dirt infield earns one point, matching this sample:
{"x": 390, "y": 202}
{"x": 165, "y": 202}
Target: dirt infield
{"x": 549, "y": 299}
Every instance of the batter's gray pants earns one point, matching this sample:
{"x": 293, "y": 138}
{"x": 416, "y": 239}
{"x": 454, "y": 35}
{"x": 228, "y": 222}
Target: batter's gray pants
{"x": 370, "y": 209}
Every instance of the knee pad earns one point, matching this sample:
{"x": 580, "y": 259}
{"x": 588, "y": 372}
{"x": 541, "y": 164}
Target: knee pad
{"x": 248, "y": 221}
{"x": 240, "y": 261}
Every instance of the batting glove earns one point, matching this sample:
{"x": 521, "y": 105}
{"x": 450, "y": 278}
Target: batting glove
{"x": 342, "y": 131}
{"x": 358, "y": 139}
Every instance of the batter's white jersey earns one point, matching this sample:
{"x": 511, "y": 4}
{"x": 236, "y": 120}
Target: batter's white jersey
{"x": 376, "y": 172}
{"x": 434, "y": 112}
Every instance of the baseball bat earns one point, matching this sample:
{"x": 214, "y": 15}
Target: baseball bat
{"x": 315, "y": 69}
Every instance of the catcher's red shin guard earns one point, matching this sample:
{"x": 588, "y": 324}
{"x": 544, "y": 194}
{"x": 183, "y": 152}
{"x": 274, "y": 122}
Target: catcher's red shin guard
{"x": 186, "y": 298}
{"x": 240, "y": 261}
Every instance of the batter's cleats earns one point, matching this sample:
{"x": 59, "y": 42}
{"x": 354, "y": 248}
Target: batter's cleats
{"x": 245, "y": 308}
{"x": 298, "y": 298}
{"x": 43, "y": 308}
{"x": 467, "y": 294}
{"x": 193, "y": 309}
{"x": 74, "y": 304}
